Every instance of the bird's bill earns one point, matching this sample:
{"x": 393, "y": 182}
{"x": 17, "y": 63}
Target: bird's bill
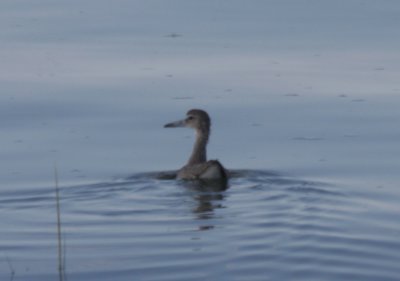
{"x": 176, "y": 124}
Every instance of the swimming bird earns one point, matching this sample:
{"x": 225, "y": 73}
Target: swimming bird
{"x": 197, "y": 166}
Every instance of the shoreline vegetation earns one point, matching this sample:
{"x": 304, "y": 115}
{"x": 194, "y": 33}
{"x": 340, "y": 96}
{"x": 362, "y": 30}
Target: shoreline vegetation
{"x": 61, "y": 247}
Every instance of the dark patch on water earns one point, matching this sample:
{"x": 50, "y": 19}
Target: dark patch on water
{"x": 308, "y": 139}
{"x": 173, "y": 35}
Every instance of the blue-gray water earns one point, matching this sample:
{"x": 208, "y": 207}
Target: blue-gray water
{"x": 304, "y": 98}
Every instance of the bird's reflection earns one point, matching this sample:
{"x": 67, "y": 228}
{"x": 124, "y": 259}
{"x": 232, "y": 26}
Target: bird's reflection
{"x": 208, "y": 195}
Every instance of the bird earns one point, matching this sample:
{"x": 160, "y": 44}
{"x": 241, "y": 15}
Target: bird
{"x": 197, "y": 167}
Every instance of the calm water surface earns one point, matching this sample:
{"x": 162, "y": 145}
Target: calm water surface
{"x": 304, "y": 98}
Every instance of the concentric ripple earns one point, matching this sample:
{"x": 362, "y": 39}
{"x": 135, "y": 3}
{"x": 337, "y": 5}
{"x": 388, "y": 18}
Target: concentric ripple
{"x": 265, "y": 226}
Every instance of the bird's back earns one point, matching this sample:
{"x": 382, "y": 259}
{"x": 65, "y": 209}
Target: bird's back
{"x": 210, "y": 170}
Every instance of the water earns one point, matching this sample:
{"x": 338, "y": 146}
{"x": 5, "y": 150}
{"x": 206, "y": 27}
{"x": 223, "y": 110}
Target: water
{"x": 304, "y": 101}
{"x": 264, "y": 227}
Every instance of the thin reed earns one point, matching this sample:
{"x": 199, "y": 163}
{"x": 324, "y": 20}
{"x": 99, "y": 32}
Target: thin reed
{"x": 61, "y": 257}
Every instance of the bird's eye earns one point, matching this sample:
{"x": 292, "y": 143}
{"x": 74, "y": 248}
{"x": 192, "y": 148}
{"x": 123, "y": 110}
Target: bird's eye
{"x": 190, "y": 118}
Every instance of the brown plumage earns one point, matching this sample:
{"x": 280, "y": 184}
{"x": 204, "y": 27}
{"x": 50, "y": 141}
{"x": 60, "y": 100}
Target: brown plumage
{"x": 197, "y": 166}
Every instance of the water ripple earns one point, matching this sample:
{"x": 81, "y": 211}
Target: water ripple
{"x": 265, "y": 226}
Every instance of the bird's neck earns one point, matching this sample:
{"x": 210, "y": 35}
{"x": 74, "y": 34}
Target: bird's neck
{"x": 199, "y": 153}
